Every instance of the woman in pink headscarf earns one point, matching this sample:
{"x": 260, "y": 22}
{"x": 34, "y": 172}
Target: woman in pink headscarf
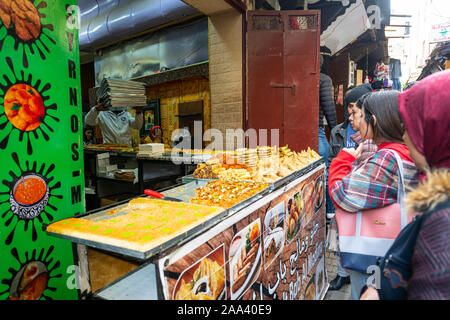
{"x": 425, "y": 111}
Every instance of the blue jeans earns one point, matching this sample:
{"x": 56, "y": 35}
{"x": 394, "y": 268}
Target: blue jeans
{"x": 341, "y": 271}
{"x": 357, "y": 281}
{"x": 324, "y": 148}
{"x": 396, "y": 84}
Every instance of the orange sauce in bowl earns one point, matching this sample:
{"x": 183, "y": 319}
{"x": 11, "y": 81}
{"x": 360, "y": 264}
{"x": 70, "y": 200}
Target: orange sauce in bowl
{"x": 30, "y": 190}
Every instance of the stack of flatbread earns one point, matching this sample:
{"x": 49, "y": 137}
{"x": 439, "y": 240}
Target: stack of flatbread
{"x": 240, "y": 155}
{"x": 251, "y": 158}
{"x": 121, "y": 93}
{"x": 264, "y": 153}
{"x": 151, "y": 149}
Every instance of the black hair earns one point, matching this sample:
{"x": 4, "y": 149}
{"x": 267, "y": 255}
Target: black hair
{"x": 353, "y": 94}
{"x": 359, "y": 103}
{"x": 384, "y": 106}
{"x": 86, "y": 128}
{"x": 325, "y": 57}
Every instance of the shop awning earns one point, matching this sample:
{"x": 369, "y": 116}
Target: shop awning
{"x": 346, "y": 28}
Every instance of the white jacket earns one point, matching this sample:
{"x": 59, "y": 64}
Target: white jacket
{"x": 115, "y": 127}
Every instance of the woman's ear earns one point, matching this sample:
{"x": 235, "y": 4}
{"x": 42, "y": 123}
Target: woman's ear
{"x": 374, "y": 120}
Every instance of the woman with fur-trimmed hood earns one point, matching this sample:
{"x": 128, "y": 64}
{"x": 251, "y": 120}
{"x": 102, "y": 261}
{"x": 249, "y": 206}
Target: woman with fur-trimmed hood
{"x": 425, "y": 111}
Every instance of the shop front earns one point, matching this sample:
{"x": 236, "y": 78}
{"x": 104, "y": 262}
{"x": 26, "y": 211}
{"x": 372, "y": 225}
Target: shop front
{"x": 244, "y": 220}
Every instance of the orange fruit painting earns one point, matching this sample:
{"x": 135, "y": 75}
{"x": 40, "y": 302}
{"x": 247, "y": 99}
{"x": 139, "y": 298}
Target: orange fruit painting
{"x": 24, "y": 107}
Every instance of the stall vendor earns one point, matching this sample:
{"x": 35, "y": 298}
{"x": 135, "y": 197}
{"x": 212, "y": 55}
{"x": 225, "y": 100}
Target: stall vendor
{"x": 115, "y": 125}
{"x": 88, "y": 135}
{"x": 156, "y": 134}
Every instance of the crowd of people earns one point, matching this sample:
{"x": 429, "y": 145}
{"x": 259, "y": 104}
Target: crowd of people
{"x": 390, "y": 159}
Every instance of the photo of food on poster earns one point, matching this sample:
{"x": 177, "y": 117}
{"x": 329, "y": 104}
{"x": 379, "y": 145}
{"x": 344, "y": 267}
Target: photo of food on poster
{"x": 245, "y": 258}
{"x": 307, "y": 200}
{"x": 252, "y": 258}
{"x": 294, "y": 216}
{"x": 319, "y": 278}
{"x": 204, "y": 280}
{"x": 319, "y": 193}
{"x": 273, "y": 233}
{"x": 234, "y": 255}
{"x": 310, "y": 292}
{"x": 288, "y": 275}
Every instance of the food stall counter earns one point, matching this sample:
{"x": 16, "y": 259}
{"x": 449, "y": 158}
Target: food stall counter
{"x": 279, "y": 235}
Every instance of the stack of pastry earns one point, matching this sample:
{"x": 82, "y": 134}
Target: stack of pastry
{"x": 297, "y": 160}
{"x": 270, "y": 170}
{"x": 283, "y": 164}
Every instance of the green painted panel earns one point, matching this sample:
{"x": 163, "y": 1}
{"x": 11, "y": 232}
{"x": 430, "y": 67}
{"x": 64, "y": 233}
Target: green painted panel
{"x": 41, "y": 157}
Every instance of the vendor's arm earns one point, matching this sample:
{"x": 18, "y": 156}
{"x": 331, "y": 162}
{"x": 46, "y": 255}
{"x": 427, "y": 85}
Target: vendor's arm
{"x": 137, "y": 121}
{"x": 367, "y": 187}
{"x": 91, "y": 117}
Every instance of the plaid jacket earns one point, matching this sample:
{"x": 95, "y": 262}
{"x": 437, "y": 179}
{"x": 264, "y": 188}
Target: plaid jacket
{"x": 374, "y": 183}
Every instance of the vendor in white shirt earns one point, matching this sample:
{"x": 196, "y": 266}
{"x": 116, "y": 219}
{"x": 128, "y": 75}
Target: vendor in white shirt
{"x": 115, "y": 125}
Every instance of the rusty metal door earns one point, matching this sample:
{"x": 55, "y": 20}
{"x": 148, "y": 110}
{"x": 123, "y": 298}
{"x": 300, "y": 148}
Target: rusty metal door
{"x": 283, "y": 75}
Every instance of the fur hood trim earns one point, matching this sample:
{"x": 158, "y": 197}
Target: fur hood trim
{"x": 431, "y": 192}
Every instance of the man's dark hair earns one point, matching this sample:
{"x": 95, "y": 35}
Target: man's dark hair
{"x": 325, "y": 57}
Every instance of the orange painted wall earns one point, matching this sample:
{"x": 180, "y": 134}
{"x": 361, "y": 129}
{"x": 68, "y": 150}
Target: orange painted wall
{"x": 175, "y": 92}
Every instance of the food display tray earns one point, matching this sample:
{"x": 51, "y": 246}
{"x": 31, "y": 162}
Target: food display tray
{"x": 272, "y": 185}
{"x": 190, "y": 178}
{"x": 184, "y": 193}
{"x": 141, "y": 255}
{"x": 187, "y": 191}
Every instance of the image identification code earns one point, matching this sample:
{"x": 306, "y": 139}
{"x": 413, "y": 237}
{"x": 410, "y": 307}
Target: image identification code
{"x": 225, "y": 310}
{"x": 249, "y": 309}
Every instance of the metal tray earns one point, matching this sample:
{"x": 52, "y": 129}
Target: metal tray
{"x": 185, "y": 193}
{"x": 143, "y": 255}
{"x": 272, "y": 185}
{"x": 190, "y": 178}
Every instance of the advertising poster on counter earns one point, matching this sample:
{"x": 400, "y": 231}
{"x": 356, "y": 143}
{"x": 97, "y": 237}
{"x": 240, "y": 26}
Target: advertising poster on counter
{"x": 275, "y": 251}
{"x": 40, "y": 147}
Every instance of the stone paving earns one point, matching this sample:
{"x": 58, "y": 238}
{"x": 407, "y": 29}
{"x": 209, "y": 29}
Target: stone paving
{"x": 331, "y": 266}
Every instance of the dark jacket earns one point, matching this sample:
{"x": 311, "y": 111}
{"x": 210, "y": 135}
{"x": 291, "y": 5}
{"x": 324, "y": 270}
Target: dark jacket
{"x": 338, "y": 138}
{"x": 338, "y": 141}
{"x": 430, "y": 279}
{"x": 326, "y": 103}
